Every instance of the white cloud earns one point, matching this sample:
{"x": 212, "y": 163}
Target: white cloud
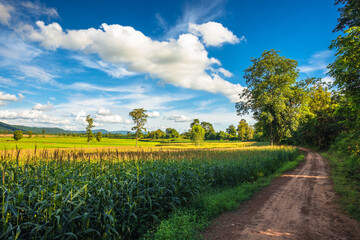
{"x": 179, "y": 118}
{"x": 33, "y": 115}
{"x": 43, "y": 107}
{"x": 82, "y": 86}
{"x": 5, "y": 98}
{"x": 5, "y": 13}
{"x": 40, "y": 9}
{"x": 128, "y": 122}
{"x": 104, "y": 112}
{"x": 116, "y": 71}
{"x": 328, "y": 80}
{"x": 108, "y": 119}
{"x": 225, "y": 72}
{"x": 213, "y": 33}
{"x": 182, "y": 62}
{"x": 153, "y": 114}
{"x": 318, "y": 62}
{"x": 38, "y": 74}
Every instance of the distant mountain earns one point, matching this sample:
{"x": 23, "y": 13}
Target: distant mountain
{"x": 12, "y": 128}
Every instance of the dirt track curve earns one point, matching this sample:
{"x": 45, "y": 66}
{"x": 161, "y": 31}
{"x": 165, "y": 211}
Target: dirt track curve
{"x": 299, "y": 205}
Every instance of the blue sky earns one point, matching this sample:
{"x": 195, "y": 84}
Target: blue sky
{"x": 180, "y": 60}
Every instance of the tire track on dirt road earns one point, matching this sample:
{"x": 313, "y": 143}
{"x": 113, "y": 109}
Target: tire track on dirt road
{"x": 301, "y": 204}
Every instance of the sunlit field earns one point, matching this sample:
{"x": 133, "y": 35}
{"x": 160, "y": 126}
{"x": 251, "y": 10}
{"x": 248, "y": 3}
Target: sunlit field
{"x": 51, "y": 141}
{"x": 115, "y": 194}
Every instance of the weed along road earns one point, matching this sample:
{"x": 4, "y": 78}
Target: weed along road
{"x": 301, "y": 204}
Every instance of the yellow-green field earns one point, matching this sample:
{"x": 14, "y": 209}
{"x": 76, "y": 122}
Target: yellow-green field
{"x": 47, "y": 142}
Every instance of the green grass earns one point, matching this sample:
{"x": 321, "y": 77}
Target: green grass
{"x": 67, "y": 142}
{"x": 188, "y": 222}
{"x": 345, "y": 173}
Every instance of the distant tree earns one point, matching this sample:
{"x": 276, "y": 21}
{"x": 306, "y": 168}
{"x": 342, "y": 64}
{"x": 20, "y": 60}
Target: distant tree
{"x": 349, "y": 14}
{"x": 210, "y": 133}
{"x": 195, "y": 121}
{"x": 18, "y": 134}
{"x": 89, "y": 133}
{"x": 172, "y": 133}
{"x": 273, "y": 95}
{"x": 242, "y": 129}
{"x": 43, "y": 132}
{"x": 30, "y": 134}
{"x": 139, "y": 117}
{"x": 98, "y": 136}
{"x": 221, "y": 135}
{"x": 250, "y": 133}
{"x": 231, "y": 130}
{"x": 197, "y": 134}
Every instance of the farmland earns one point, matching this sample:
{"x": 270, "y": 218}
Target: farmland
{"x": 114, "y": 194}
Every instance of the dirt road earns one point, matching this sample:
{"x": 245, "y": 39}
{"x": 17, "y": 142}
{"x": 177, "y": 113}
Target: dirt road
{"x": 299, "y": 205}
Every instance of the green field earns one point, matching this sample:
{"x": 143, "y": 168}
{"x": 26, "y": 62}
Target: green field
{"x": 80, "y": 142}
{"x": 111, "y": 194}
{"x": 67, "y": 142}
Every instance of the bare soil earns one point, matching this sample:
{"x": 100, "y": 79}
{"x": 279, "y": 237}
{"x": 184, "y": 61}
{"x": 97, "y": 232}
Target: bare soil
{"x": 301, "y": 204}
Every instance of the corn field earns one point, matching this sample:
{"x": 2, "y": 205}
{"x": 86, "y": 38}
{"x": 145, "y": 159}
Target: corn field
{"x": 112, "y": 194}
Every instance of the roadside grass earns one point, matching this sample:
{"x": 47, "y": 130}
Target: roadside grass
{"x": 345, "y": 184}
{"x": 190, "y": 221}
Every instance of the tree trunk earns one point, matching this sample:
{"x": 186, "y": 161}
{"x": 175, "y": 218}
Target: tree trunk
{"x": 271, "y": 135}
{"x": 137, "y": 134}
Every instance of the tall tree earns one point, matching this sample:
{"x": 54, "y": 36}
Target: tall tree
{"x": 197, "y": 134}
{"x": 139, "y": 117}
{"x": 210, "y": 133}
{"x": 30, "y": 134}
{"x": 98, "y": 136}
{"x": 272, "y": 95}
{"x": 349, "y": 14}
{"x": 89, "y": 133}
{"x": 242, "y": 129}
{"x": 231, "y": 130}
{"x": 195, "y": 121}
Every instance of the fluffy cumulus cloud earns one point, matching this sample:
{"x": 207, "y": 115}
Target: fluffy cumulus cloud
{"x": 214, "y": 34}
{"x": 33, "y": 115}
{"x": 6, "y": 98}
{"x": 182, "y": 62}
{"x": 153, "y": 114}
{"x": 5, "y": 13}
{"x": 179, "y": 118}
{"x": 43, "y": 107}
{"x": 106, "y": 116}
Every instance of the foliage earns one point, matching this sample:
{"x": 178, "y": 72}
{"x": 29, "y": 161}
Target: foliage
{"x": 231, "y": 130}
{"x": 89, "y": 133}
{"x": 320, "y": 126}
{"x": 194, "y": 122}
{"x": 18, "y": 135}
{"x": 157, "y": 134}
{"x": 273, "y": 95}
{"x": 30, "y": 134}
{"x": 349, "y": 14}
{"x": 98, "y": 136}
{"x": 197, "y": 134}
{"x": 245, "y": 131}
{"x": 139, "y": 117}
{"x": 116, "y": 195}
{"x": 210, "y": 133}
{"x": 345, "y": 68}
{"x": 172, "y": 133}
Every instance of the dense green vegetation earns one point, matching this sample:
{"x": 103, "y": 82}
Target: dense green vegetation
{"x": 116, "y": 195}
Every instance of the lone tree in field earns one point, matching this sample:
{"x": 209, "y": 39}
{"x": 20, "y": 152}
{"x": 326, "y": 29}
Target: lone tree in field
{"x": 273, "y": 95}
{"x": 43, "y": 132}
{"x": 98, "y": 136}
{"x": 30, "y": 134}
{"x": 89, "y": 133}
{"x": 18, "y": 135}
{"x": 139, "y": 117}
{"x": 197, "y": 134}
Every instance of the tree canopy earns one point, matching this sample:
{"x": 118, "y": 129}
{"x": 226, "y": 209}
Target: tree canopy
{"x": 139, "y": 117}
